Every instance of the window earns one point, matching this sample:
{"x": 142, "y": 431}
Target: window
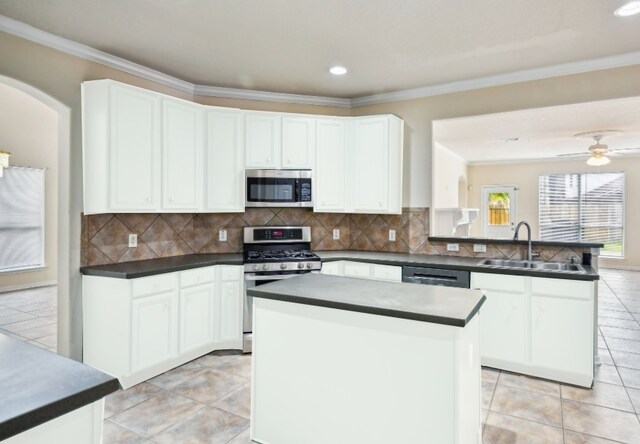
{"x": 21, "y": 219}
{"x": 584, "y": 208}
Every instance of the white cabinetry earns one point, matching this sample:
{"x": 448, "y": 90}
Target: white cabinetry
{"x": 298, "y": 142}
{"x": 329, "y": 180}
{"x": 371, "y": 159}
{"x": 263, "y": 139}
{"x": 135, "y": 329}
{"x": 363, "y": 270}
{"x": 181, "y": 155}
{"x": 538, "y": 326}
{"x": 225, "y": 161}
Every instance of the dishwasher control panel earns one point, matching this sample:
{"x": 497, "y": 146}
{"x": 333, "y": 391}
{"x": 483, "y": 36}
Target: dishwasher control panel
{"x": 436, "y": 276}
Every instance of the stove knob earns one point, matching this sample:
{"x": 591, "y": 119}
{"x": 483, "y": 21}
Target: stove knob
{"x": 283, "y": 265}
{"x": 265, "y": 267}
{"x": 256, "y": 267}
{"x": 309, "y": 265}
{"x": 300, "y": 265}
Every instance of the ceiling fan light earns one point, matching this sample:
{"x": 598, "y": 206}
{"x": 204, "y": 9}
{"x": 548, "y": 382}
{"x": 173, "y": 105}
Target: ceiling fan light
{"x": 598, "y": 160}
{"x": 629, "y": 8}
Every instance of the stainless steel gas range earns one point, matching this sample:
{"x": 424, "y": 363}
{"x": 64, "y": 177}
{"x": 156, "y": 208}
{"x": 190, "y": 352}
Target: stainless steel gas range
{"x": 272, "y": 254}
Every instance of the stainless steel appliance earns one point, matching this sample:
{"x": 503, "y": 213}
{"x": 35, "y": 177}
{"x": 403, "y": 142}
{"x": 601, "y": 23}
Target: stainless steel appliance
{"x": 278, "y": 188}
{"x": 436, "y": 276}
{"x": 272, "y": 254}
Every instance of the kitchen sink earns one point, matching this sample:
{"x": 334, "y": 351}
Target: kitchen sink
{"x": 533, "y": 265}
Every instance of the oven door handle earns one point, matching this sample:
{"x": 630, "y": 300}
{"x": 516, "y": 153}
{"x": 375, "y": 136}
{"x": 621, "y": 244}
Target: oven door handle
{"x": 273, "y": 277}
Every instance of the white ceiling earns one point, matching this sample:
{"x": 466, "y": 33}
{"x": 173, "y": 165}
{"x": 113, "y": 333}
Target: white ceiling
{"x": 543, "y": 132}
{"x": 288, "y": 45}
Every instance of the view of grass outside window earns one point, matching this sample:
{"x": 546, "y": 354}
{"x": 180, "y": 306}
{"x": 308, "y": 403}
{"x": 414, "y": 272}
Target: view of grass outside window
{"x": 499, "y": 207}
{"x": 584, "y": 208}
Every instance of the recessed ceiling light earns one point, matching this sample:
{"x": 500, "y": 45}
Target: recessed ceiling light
{"x": 338, "y": 70}
{"x": 629, "y": 8}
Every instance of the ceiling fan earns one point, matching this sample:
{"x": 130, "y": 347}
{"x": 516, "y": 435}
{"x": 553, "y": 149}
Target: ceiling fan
{"x": 599, "y": 153}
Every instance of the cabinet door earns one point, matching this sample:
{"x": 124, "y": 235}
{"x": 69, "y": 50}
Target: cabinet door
{"x": 229, "y": 319}
{"x": 154, "y": 328}
{"x": 181, "y": 155}
{"x": 298, "y": 142}
{"x": 356, "y": 269}
{"x": 225, "y": 161}
{"x": 386, "y": 273}
{"x": 134, "y": 150}
{"x": 334, "y": 268}
{"x": 371, "y": 165}
{"x": 562, "y": 334}
{"x": 262, "y": 140}
{"x": 330, "y": 171}
{"x": 196, "y": 316}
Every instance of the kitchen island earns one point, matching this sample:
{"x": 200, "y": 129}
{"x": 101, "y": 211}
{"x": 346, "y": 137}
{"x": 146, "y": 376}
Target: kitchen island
{"x": 346, "y": 360}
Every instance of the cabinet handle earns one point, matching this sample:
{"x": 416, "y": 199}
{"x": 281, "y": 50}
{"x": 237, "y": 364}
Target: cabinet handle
{"x": 230, "y": 201}
{"x": 379, "y": 203}
{"x": 514, "y": 305}
{"x": 148, "y": 199}
{"x": 288, "y": 160}
{"x": 165, "y": 306}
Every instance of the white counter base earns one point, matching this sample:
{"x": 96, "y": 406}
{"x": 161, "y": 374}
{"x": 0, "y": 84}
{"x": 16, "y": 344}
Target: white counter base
{"x": 323, "y": 375}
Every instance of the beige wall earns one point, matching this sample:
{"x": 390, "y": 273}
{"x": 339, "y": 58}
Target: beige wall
{"x": 446, "y": 178}
{"x": 525, "y": 176}
{"x": 29, "y": 130}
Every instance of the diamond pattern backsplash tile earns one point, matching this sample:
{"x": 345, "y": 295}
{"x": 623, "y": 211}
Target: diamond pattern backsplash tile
{"x": 105, "y": 236}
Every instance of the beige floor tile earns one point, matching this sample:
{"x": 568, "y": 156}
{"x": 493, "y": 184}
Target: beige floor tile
{"x": 50, "y": 341}
{"x": 239, "y": 365}
{"x": 622, "y": 323}
{"x": 178, "y": 375}
{"x": 503, "y": 429}
{"x": 621, "y": 333}
{"x": 605, "y": 395}
{"x": 209, "y": 386}
{"x": 113, "y": 433}
{"x": 529, "y": 383}
{"x": 601, "y": 422}
{"x": 209, "y": 425}
{"x": 579, "y": 438}
{"x": 16, "y": 327}
{"x": 608, "y": 374}
{"x": 624, "y": 345}
{"x": 488, "y": 388}
{"x": 614, "y": 314}
{"x": 124, "y": 399}
{"x": 17, "y": 316}
{"x": 216, "y": 358}
{"x": 605, "y": 356}
{"x": 157, "y": 413}
{"x": 634, "y": 394}
{"x": 39, "y": 332}
{"x": 237, "y": 402}
{"x": 630, "y": 377}
{"x": 242, "y": 438}
{"x": 527, "y": 405}
{"x": 622, "y": 359}
{"x": 490, "y": 375}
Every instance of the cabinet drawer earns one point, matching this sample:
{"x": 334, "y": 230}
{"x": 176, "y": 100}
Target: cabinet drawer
{"x": 354, "y": 269}
{"x": 231, "y": 272}
{"x": 154, "y": 284}
{"x": 500, "y": 282}
{"x": 562, "y": 288}
{"x": 387, "y": 273}
{"x": 196, "y": 276}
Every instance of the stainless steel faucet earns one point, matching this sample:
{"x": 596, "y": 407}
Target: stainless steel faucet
{"x": 515, "y": 237}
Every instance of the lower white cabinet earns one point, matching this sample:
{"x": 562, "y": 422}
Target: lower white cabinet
{"x": 363, "y": 270}
{"x": 135, "y": 329}
{"x": 538, "y": 326}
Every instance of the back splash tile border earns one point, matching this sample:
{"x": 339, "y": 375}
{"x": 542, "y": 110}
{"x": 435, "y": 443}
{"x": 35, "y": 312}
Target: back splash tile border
{"x": 105, "y": 236}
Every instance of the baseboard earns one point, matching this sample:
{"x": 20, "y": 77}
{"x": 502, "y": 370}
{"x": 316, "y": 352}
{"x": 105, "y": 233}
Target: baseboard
{"x": 620, "y": 267}
{"x": 27, "y": 286}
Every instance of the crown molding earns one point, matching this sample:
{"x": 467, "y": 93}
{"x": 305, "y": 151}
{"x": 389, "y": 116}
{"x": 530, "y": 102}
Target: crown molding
{"x": 39, "y": 36}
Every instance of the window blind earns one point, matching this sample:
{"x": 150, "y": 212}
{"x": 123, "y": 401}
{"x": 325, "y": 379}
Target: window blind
{"x": 21, "y": 219}
{"x": 583, "y": 207}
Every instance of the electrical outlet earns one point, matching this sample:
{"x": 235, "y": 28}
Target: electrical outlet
{"x": 222, "y": 235}
{"x": 479, "y": 248}
{"x": 133, "y": 240}
{"x": 453, "y": 247}
{"x": 336, "y": 233}
{"x": 392, "y": 235}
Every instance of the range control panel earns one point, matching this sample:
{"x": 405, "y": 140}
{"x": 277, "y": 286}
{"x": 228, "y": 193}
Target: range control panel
{"x": 277, "y": 234}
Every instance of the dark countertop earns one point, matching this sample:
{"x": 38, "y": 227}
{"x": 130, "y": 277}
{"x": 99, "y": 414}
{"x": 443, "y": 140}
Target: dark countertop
{"x": 426, "y": 303}
{"x": 484, "y": 240}
{"x": 149, "y": 267}
{"x": 449, "y": 263}
{"x": 37, "y": 386}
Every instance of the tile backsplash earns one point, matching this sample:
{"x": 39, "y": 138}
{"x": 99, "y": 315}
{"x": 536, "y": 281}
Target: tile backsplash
{"x": 105, "y": 236}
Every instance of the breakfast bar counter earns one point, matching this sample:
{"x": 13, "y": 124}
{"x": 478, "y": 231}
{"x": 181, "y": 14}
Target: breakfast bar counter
{"x": 347, "y": 360}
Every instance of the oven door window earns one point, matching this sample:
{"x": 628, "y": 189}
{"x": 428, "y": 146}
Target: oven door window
{"x": 267, "y": 189}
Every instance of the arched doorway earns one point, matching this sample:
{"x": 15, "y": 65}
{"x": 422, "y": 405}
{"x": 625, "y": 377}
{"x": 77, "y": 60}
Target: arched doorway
{"x": 64, "y": 254}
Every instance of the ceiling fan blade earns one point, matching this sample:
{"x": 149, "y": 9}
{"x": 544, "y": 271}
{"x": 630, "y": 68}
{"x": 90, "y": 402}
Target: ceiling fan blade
{"x": 624, "y": 150}
{"x": 574, "y": 155}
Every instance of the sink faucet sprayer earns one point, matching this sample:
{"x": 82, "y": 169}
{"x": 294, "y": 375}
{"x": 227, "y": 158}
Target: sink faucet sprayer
{"x": 515, "y": 237}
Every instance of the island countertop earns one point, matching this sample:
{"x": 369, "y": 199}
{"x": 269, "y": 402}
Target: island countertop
{"x": 426, "y": 303}
{"x": 37, "y": 386}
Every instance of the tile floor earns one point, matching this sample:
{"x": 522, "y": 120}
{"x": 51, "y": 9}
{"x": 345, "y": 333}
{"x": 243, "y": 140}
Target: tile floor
{"x": 207, "y": 400}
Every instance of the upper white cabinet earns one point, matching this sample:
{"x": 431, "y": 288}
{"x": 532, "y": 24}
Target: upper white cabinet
{"x": 298, "y": 142}
{"x": 329, "y": 181}
{"x": 263, "y": 135}
{"x": 371, "y": 156}
{"x": 181, "y": 155}
{"x": 224, "y": 161}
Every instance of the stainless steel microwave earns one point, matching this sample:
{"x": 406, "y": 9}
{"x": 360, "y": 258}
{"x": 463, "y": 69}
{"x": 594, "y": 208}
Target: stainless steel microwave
{"x": 279, "y": 188}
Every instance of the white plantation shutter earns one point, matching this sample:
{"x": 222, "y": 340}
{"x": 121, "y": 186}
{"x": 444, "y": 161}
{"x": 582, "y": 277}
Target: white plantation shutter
{"x": 583, "y": 207}
{"x": 21, "y": 218}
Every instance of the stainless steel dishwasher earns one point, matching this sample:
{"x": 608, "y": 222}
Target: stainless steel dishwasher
{"x": 436, "y": 276}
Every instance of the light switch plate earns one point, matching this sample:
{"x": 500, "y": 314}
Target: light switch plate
{"x": 222, "y": 235}
{"x": 392, "y": 235}
{"x": 336, "y": 233}
{"x": 133, "y": 240}
{"x": 479, "y": 248}
{"x": 453, "y": 247}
